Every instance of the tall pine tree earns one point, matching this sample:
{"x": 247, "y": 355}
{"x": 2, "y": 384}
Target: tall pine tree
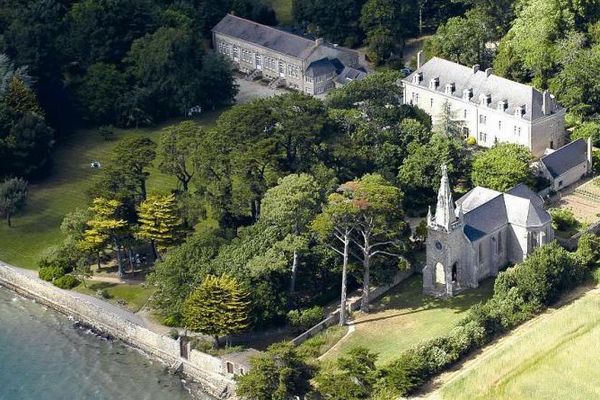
{"x": 159, "y": 222}
{"x": 218, "y": 307}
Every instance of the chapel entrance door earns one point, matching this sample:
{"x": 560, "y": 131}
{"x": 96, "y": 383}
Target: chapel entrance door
{"x": 440, "y": 274}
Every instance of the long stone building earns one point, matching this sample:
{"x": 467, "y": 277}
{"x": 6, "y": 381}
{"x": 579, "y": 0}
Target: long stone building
{"x": 486, "y": 231}
{"x": 311, "y": 66}
{"x": 490, "y": 108}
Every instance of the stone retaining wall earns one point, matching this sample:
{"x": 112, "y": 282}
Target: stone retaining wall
{"x": 203, "y": 368}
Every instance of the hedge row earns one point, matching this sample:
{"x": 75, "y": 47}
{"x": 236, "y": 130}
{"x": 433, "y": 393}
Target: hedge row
{"x": 520, "y": 293}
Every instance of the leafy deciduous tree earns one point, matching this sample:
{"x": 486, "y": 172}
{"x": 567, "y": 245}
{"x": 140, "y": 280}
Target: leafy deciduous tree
{"x": 13, "y": 195}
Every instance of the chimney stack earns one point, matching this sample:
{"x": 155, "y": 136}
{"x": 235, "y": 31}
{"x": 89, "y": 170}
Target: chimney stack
{"x": 318, "y": 41}
{"x": 546, "y": 103}
{"x": 476, "y": 68}
{"x": 589, "y": 154}
{"x": 419, "y": 59}
{"x": 488, "y": 72}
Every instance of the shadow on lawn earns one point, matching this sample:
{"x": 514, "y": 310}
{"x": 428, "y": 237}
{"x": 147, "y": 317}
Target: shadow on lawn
{"x": 408, "y": 298}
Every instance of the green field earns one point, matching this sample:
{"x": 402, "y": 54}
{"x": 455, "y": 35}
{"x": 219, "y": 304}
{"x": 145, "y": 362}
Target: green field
{"x": 283, "y": 9}
{"x": 37, "y": 227}
{"x": 135, "y": 296}
{"x": 405, "y": 317}
{"x": 554, "y": 356}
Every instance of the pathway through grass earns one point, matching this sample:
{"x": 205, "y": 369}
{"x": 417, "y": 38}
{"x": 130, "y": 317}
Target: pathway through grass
{"x": 405, "y": 317}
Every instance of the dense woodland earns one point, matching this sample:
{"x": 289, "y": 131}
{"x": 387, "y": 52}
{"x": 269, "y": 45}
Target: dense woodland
{"x": 286, "y": 195}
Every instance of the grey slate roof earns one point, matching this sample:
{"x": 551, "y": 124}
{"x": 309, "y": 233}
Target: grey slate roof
{"x": 486, "y": 210}
{"x": 565, "y": 158}
{"x": 349, "y": 74}
{"x": 320, "y": 67}
{"x": 516, "y": 94}
{"x": 265, "y": 36}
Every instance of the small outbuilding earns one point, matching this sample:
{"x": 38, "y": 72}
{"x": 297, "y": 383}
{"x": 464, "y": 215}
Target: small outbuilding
{"x": 567, "y": 165}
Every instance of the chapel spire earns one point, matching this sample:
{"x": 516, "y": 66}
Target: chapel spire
{"x": 444, "y": 212}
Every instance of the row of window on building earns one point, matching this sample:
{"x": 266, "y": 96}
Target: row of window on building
{"x": 251, "y": 57}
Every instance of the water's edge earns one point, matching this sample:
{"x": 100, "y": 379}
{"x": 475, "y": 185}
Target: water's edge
{"x": 104, "y": 318}
{"x": 46, "y": 355}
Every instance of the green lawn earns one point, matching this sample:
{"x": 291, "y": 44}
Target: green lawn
{"x": 37, "y": 227}
{"x": 405, "y": 317}
{"x": 553, "y": 357}
{"x": 283, "y": 9}
{"x": 134, "y": 296}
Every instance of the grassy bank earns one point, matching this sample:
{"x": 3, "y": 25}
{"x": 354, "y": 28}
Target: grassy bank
{"x": 37, "y": 227}
{"x": 134, "y": 297}
{"x": 405, "y": 317}
{"x": 553, "y": 357}
{"x": 283, "y": 9}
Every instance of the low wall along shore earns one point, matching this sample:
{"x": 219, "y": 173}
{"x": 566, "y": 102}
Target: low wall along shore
{"x": 204, "y": 369}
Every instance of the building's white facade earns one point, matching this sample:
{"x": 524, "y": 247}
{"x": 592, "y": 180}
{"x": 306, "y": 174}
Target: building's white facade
{"x": 490, "y": 108}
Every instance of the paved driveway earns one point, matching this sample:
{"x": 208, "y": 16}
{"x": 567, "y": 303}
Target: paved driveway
{"x": 249, "y": 91}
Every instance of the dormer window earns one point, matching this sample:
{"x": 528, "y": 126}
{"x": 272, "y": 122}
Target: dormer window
{"x": 434, "y": 83}
{"x": 519, "y": 111}
{"x": 467, "y": 94}
{"x": 502, "y": 105}
{"x": 450, "y": 88}
{"x": 486, "y": 100}
{"x": 418, "y": 78}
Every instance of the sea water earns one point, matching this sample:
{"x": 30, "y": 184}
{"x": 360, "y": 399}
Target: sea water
{"x": 43, "y": 356}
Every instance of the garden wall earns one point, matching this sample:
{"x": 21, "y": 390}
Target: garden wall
{"x": 571, "y": 243}
{"x": 204, "y": 369}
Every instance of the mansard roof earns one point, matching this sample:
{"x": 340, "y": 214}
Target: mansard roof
{"x": 565, "y": 158}
{"x": 486, "y": 211}
{"x": 265, "y": 36}
{"x": 481, "y": 83}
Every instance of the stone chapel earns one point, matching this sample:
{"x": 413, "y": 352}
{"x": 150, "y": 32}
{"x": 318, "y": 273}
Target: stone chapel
{"x": 484, "y": 232}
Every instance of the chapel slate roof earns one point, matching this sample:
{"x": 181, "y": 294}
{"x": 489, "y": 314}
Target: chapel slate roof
{"x": 265, "y": 36}
{"x": 500, "y": 89}
{"x": 486, "y": 210}
{"x": 565, "y": 158}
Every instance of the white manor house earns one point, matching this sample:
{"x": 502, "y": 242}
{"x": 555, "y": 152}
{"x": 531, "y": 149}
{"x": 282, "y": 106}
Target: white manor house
{"x": 486, "y": 231}
{"x": 491, "y": 108}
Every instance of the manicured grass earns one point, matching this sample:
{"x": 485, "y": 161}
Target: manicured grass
{"x": 553, "y": 357}
{"x": 283, "y": 9}
{"x": 323, "y": 341}
{"x": 37, "y": 227}
{"x": 134, "y": 296}
{"x": 406, "y": 317}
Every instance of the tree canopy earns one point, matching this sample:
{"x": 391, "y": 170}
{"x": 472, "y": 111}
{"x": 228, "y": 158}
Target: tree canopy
{"x": 502, "y": 167}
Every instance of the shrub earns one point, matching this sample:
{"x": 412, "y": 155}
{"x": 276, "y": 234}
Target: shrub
{"x": 302, "y": 320}
{"x": 588, "y": 250}
{"x": 542, "y": 276}
{"x": 49, "y": 274}
{"x": 471, "y": 141}
{"x": 171, "y": 320}
{"x": 203, "y": 345}
{"x": 174, "y": 333}
{"x": 563, "y": 219}
{"x": 66, "y": 282}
